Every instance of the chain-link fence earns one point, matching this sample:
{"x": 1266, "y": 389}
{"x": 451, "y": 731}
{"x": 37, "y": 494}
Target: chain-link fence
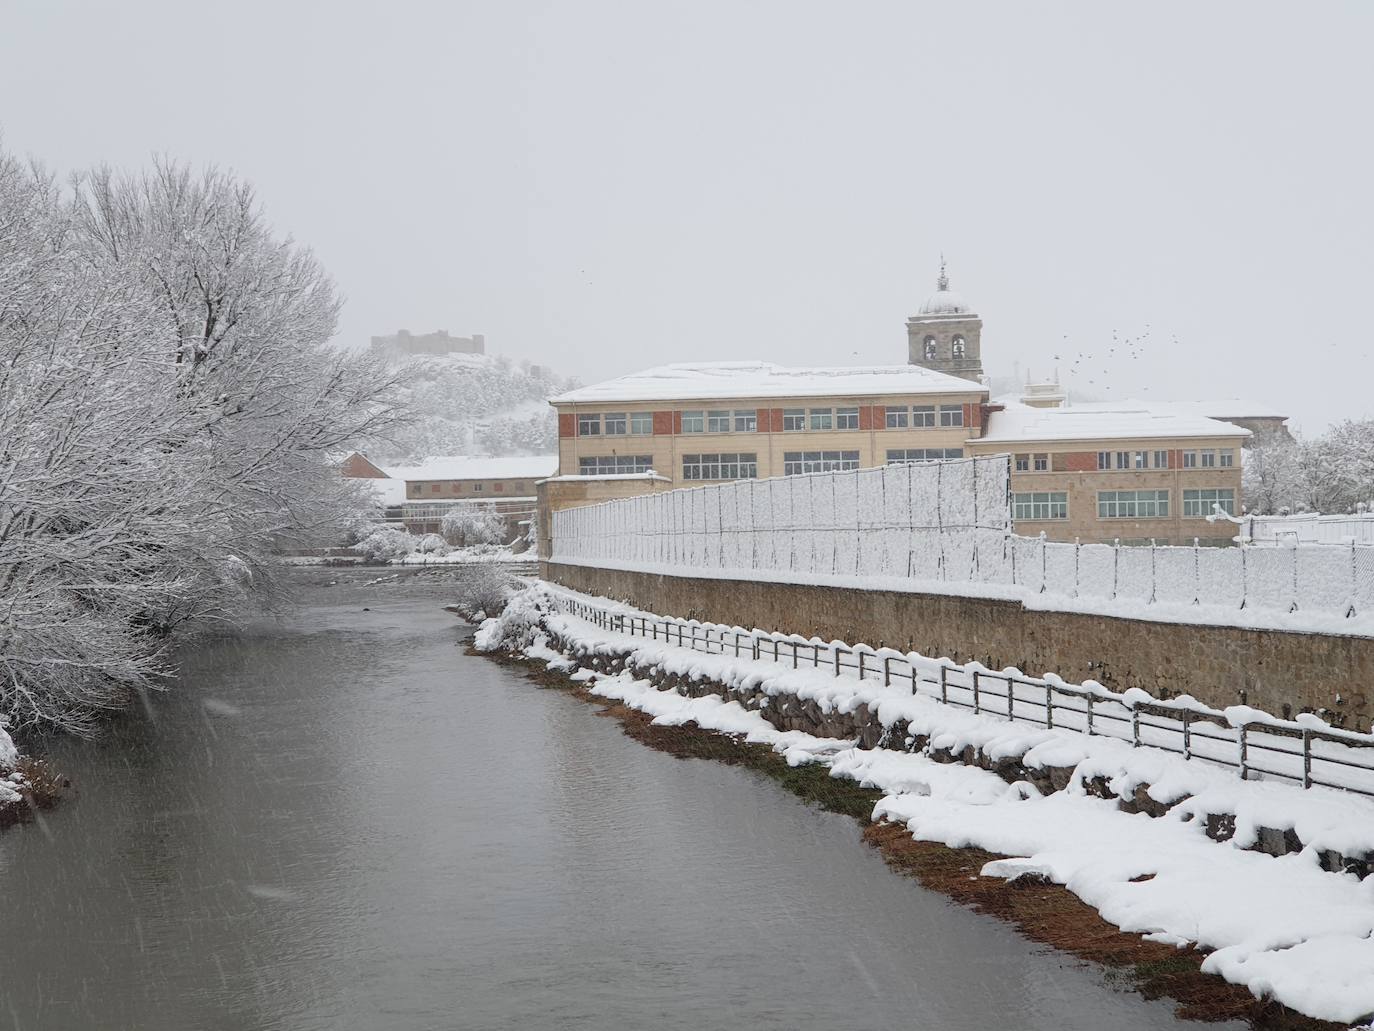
{"x": 935, "y": 525}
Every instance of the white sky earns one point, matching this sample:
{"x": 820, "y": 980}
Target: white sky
{"x": 605, "y": 186}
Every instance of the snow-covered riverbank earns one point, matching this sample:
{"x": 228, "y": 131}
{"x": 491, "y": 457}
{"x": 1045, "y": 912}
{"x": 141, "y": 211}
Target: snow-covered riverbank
{"x": 1282, "y": 926}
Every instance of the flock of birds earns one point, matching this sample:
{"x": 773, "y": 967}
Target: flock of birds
{"x": 1087, "y": 366}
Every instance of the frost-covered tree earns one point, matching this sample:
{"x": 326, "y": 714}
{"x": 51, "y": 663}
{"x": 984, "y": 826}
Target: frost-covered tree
{"x": 1339, "y": 467}
{"x": 169, "y": 403}
{"x": 1273, "y": 474}
{"x": 471, "y": 523}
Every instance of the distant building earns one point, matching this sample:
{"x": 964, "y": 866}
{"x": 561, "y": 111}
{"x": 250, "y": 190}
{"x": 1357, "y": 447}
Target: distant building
{"x": 405, "y": 344}
{"x": 946, "y": 335}
{"x": 505, "y": 484}
{"x": 358, "y": 465}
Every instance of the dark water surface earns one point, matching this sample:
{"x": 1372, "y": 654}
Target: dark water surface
{"x": 342, "y": 821}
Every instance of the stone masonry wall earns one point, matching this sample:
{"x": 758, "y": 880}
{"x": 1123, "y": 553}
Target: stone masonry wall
{"x": 1282, "y": 673}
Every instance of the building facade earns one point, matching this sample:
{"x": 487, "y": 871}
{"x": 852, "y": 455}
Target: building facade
{"x": 1131, "y": 475}
{"x": 507, "y": 485}
{"x": 710, "y": 422}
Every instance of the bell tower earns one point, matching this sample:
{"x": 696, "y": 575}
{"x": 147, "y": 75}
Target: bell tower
{"x": 946, "y": 335}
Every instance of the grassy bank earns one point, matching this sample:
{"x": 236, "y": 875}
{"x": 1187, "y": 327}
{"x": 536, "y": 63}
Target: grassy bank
{"x": 1042, "y": 911}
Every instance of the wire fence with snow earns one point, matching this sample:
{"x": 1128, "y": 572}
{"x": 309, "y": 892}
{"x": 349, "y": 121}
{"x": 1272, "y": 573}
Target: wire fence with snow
{"x": 945, "y": 527}
{"x": 1257, "y": 745}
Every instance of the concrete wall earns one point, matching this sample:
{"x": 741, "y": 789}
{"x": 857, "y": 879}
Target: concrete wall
{"x": 1283, "y": 673}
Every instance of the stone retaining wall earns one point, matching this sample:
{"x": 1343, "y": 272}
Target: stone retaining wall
{"x": 1283, "y": 673}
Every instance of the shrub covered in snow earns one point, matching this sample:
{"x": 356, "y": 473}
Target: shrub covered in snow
{"x": 385, "y": 544}
{"x": 520, "y": 624}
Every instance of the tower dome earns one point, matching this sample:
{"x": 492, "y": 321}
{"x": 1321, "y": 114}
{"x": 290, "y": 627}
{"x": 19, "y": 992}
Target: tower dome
{"x": 944, "y": 301}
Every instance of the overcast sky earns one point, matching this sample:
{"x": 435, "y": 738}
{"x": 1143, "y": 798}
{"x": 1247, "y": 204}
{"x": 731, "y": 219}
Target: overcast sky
{"x": 605, "y": 186}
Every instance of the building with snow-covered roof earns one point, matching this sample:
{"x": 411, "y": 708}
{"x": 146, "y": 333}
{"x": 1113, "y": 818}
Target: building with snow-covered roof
{"x": 1117, "y": 471}
{"x": 505, "y": 484}
{"x": 699, "y": 422}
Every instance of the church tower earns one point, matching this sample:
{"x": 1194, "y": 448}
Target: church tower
{"x": 946, "y": 336}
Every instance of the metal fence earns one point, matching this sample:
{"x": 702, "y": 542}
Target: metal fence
{"x": 928, "y": 526}
{"x": 1310, "y": 528}
{"x": 1310, "y": 754}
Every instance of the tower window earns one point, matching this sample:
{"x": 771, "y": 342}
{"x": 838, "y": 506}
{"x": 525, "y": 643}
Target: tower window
{"x": 930, "y": 349}
{"x": 958, "y": 348}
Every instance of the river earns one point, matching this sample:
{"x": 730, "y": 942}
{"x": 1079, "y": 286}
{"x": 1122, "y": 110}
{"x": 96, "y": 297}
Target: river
{"x": 338, "y": 820}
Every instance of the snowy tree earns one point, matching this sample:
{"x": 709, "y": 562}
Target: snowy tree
{"x": 470, "y": 523}
{"x": 1339, "y": 467}
{"x": 1273, "y": 474}
{"x": 168, "y": 406}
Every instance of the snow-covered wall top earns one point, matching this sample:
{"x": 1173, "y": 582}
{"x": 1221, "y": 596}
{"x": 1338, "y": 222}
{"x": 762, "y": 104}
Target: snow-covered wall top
{"x": 707, "y": 380}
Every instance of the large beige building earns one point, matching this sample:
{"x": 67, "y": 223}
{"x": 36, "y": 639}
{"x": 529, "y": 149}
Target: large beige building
{"x": 740, "y": 420}
{"x": 1124, "y": 472}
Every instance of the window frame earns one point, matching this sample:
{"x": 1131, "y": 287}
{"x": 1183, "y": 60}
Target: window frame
{"x": 620, "y": 419}
{"x": 895, "y": 418}
{"x": 749, "y": 417}
{"x": 951, "y": 415}
{"x": 1197, "y": 501}
{"x": 924, "y": 417}
{"x": 796, "y": 417}
{"x": 815, "y": 415}
{"x": 847, "y": 417}
{"x": 1111, "y": 504}
{"x": 641, "y": 424}
{"x": 586, "y": 420}
{"x": 694, "y": 420}
{"x": 1053, "y": 503}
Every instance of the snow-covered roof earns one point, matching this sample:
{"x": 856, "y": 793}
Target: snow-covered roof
{"x": 944, "y": 301}
{"x": 1226, "y": 408}
{"x": 1100, "y": 421}
{"x": 463, "y": 467}
{"x": 701, "y": 381}
{"x": 389, "y": 492}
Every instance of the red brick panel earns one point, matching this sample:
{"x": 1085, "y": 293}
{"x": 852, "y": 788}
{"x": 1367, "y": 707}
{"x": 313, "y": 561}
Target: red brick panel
{"x": 763, "y": 420}
{"x": 567, "y": 425}
{"x": 677, "y": 422}
{"x": 1176, "y": 458}
{"x": 777, "y": 420}
{"x": 1081, "y": 461}
{"x": 663, "y": 424}
{"x": 866, "y": 416}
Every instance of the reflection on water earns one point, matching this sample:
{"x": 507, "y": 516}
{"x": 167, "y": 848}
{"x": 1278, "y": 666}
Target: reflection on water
{"x": 342, "y": 821}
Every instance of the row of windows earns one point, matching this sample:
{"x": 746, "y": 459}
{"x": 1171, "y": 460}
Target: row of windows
{"x": 794, "y": 463}
{"x": 1124, "y": 504}
{"x": 957, "y": 347}
{"x": 720, "y": 467}
{"x": 899, "y": 456}
{"x": 607, "y": 465}
{"x": 458, "y": 486}
{"x": 1210, "y": 458}
{"x": 745, "y": 420}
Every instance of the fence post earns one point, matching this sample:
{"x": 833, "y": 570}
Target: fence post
{"x": 1116, "y": 564}
{"x": 1154, "y": 576}
{"x": 887, "y": 671}
{"x": 944, "y": 682}
{"x": 1011, "y": 699}
{"x": 1044, "y": 550}
{"x": 1049, "y": 706}
{"x": 861, "y": 665}
{"x": 1244, "y": 753}
{"x": 1197, "y": 573}
{"x": 1135, "y": 727}
{"x": 835, "y": 651}
{"x": 1187, "y": 734}
{"x": 1090, "y": 715}
{"x": 975, "y": 691}
{"x": 1306, "y": 758}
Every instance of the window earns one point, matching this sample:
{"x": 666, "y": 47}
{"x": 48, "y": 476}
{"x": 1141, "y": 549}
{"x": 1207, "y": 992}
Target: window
{"x": 1132, "y": 504}
{"x": 589, "y": 425}
{"x": 717, "y": 422}
{"x": 1123, "y": 459}
{"x": 732, "y": 466}
{"x": 642, "y": 423}
{"x": 1023, "y": 463}
{"x": 1142, "y": 460}
{"x": 1041, "y": 505}
{"x": 793, "y": 419}
{"x": 923, "y": 415}
{"x": 1190, "y": 459}
{"x": 434, "y": 488}
{"x": 902, "y": 456}
{"x": 951, "y": 415}
{"x": 1042, "y": 463}
{"x": 795, "y": 462}
{"x": 616, "y": 424}
{"x": 476, "y": 486}
{"x": 1209, "y": 459}
{"x": 1104, "y": 459}
{"x": 958, "y": 348}
{"x": 1227, "y": 458}
{"x": 694, "y": 421}
{"x": 928, "y": 346}
{"x": 611, "y": 465}
{"x": 1161, "y": 459}
{"x": 846, "y": 418}
{"x": 822, "y": 418}
{"x": 746, "y": 420}
{"x": 898, "y": 418}
{"x": 1198, "y": 503}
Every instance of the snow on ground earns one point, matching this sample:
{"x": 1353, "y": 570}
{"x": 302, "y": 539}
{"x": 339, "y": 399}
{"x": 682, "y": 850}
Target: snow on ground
{"x": 1283, "y": 927}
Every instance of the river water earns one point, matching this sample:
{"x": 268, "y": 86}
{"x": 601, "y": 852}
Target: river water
{"x": 339, "y": 820}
